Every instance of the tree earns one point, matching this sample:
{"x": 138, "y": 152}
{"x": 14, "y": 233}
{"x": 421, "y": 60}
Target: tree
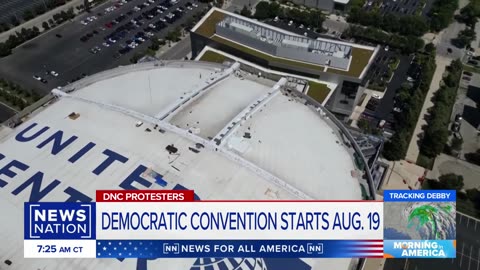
{"x": 451, "y": 181}
{"x": 473, "y": 157}
{"x": 441, "y": 14}
{"x": 457, "y": 143}
{"x": 363, "y": 124}
{"x": 155, "y": 44}
{"x": 45, "y": 26}
{"x": 245, "y": 11}
{"x": 315, "y": 19}
{"x": 266, "y": 10}
{"x": 430, "y": 48}
{"x": 396, "y": 147}
{"x": 14, "y": 20}
{"x": 28, "y": 15}
{"x": 137, "y": 56}
{"x": 40, "y": 9}
{"x": 468, "y": 14}
{"x": 4, "y": 50}
{"x": 464, "y": 38}
{"x": 35, "y": 31}
{"x": 174, "y": 35}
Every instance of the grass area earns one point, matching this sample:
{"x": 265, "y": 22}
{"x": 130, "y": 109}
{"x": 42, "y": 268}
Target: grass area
{"x": 318, "y": 91}
{"x": 377, "y": 87}
{"x": 360, "y": 58}
{"x": 394, "y": 64}
{"x": 207, "y": 28}
{"x": 471, "y": 69}
{"x": 359, "y": 61}
{"x": 425, "y": 162}
{"x": 214, "y": 57}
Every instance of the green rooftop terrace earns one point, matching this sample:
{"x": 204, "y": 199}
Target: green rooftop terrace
{"x": 318, "y": 91}
{"x": 214, "y": 57}
{"x": 360, "y": 56}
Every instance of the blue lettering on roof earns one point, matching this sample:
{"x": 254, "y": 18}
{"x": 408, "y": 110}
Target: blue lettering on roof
{"x": 135, "y": 176}
{"x": 76, "y": 196}
{"x": 6, "y": 170}
{"x": 57, "y": 145}
{"x": 81, "y": 152}
{"x": 36, "y": 194}
{"x": 21, "y": 135}
{"x": 180, "y": 187}
{"x": 111, "y": 157}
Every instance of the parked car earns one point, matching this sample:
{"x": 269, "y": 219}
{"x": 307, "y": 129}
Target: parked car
{"x": 468, "y": 73}
{"x": 473, "y": 62}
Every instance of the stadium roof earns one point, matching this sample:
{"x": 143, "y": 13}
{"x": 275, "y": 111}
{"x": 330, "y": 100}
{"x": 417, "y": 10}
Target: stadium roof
{"x": 107, "y": 130}
{"x": 277, "y": 45}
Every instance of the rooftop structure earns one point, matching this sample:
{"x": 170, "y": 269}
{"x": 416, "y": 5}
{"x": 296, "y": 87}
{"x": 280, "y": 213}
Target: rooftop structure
{"x": 274, "y": 42}
{"x": 280, "y": 47}
{"x": 236, "y": 136}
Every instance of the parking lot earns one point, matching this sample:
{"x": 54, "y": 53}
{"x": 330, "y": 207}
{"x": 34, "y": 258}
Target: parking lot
{"x": 384, "y": 108}
{"x": 468, "y": 96}
{"x": 468, "y": 251}
{"x": 399, "y": 7}
{"x": 9, "y": 8}
{"x": 105, "y": 38}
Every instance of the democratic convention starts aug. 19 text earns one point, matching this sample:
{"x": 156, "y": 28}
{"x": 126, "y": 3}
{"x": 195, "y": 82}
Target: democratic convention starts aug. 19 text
{"x": 222, "y": 221}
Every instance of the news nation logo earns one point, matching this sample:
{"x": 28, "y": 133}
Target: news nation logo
{"x": 55, "y": 220}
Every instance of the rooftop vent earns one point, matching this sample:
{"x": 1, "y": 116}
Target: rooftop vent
{"x": 74, "y": 116}
{"x": 171, "y": 149}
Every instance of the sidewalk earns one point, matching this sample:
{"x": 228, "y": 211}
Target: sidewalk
{"x": 413, "y": 148}
{"x": 37, "y": 21}
{"x": 374, "y": 264}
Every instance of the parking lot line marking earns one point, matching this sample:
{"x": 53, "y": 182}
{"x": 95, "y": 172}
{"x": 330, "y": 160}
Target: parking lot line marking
{"x": 478, "y": 261}
{"x": 476, "y": 225}
{"x": 461, "y": 256}
{"x": 460, "y": 221}
{"x": 468, "y": 222}
{"x": 470, "y": 259}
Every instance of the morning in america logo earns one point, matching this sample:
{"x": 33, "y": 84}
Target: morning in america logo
{"x": 420, "y": 249}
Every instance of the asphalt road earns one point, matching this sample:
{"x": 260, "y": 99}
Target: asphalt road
{"x": 385, "y": 108}
{"x": 9, "y": 8}
{"x": 468, "y": 251}
{"x": 70, "y": 57}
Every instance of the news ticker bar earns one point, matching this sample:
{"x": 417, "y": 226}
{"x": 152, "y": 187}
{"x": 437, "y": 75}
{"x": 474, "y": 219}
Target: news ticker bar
{"x": 171, "y": 224}
{"x": 239, "y": 249}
